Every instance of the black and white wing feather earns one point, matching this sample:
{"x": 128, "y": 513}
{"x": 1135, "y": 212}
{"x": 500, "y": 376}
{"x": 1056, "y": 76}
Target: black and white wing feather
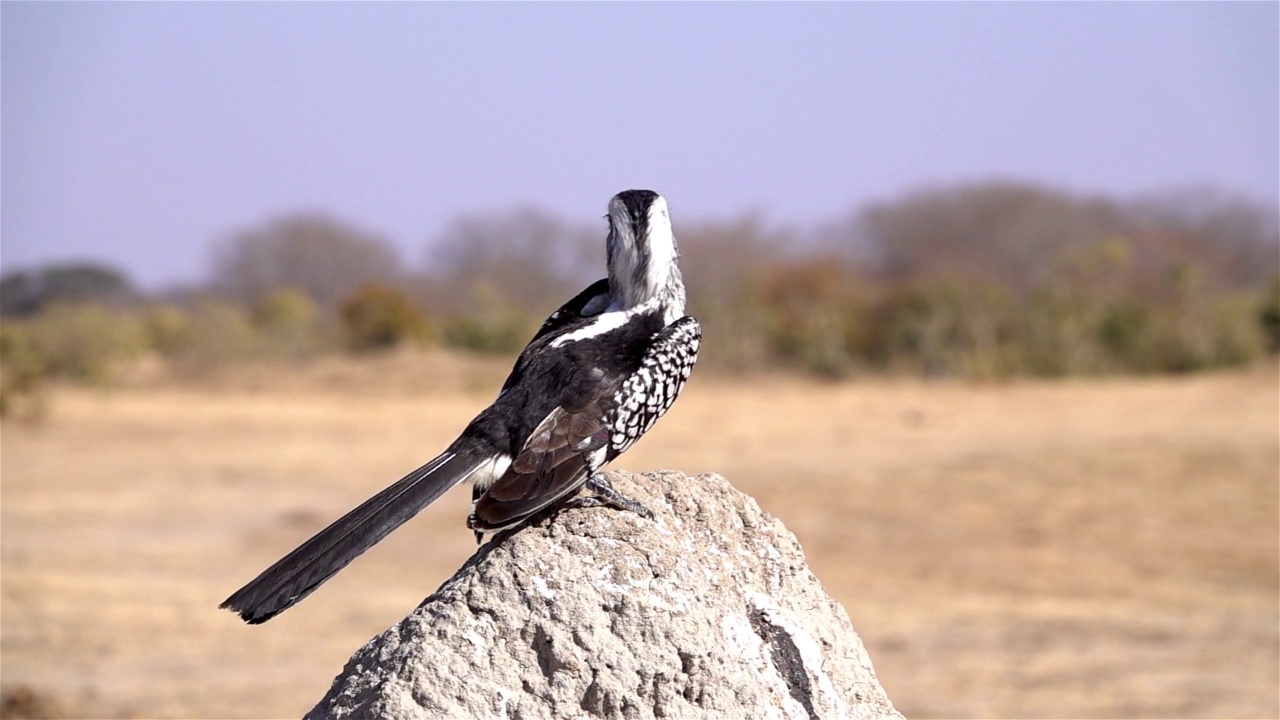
{"x": 599, "y": 420}
{"x": 565, "y": 448}
{"x": 650, "y": 391}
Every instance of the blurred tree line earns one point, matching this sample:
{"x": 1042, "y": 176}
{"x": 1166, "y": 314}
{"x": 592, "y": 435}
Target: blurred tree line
{"x": 983, "y": 280}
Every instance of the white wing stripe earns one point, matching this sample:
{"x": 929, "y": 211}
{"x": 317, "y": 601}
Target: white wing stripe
{"x": 600, "y": 325}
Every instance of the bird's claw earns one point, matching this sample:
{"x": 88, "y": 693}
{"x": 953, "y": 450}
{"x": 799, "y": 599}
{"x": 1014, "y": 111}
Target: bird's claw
{"x": 606, "y": 496}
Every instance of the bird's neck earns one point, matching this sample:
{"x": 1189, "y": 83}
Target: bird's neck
{"x": 662, "y": 294}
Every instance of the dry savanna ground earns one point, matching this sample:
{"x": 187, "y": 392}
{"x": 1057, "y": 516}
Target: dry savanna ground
{"x": 1082, "y": 548}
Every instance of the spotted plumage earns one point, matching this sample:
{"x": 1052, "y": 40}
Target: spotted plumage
{"x": 650, "y": 391}
{"x": 593, "y": 380}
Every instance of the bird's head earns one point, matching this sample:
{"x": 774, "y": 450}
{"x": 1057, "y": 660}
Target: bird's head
{"x": 642, "y": 253}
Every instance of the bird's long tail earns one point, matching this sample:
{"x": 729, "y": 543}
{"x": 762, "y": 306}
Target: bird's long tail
{"x": 300, "y": 572}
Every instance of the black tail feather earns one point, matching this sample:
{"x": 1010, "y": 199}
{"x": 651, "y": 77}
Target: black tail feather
{"x": 300, "y": 572}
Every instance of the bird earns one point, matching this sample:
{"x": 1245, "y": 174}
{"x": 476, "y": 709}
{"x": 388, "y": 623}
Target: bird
{"x": 595, "y": 377}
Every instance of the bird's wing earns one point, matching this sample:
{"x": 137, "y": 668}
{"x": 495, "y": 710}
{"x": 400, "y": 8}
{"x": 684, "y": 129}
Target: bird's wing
{"x": 557, "y": 458}
{"x": 591, "y": 301}
{"x": 600, "y": 417}
{"x": 650, "y": 391}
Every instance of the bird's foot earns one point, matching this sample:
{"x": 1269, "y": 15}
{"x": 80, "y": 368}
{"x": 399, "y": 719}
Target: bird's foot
{"x": 606, "y": 496}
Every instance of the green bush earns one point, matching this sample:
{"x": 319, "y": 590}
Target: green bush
{"x": 85, "y": 342}
{"x": 810, "y": 316}
{"x": 1125, "y": 333}
{"x": 488, "y": 332}
{"x": 169, "y": 331}
{"x": 221, "y": 334}
{"x": 1269, "y": 315}
{"x": 378, "y": 317}
{"x": 492, "y": 324}
{"x": 943, "y": 327}
{"x": 22, "y": 373}
{"x": 288, "y": 321}
{"x": 1237, "y": 338}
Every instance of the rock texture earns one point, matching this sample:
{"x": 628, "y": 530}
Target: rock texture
{"x": 709, "y": 610}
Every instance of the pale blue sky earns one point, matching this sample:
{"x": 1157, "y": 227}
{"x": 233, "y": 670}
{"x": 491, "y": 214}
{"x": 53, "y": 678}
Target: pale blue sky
{"x": 138, "y": 133}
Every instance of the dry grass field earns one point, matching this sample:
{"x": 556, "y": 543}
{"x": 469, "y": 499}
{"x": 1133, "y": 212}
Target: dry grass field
{"x": 1081, "y": 548}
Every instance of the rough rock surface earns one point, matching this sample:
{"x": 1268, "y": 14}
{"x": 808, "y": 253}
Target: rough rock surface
{"x": 709, "y": 610}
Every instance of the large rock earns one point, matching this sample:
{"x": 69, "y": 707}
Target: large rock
{"x": 709, "y": 610}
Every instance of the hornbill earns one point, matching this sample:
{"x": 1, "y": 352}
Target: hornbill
{"x": 594, "y": 378}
